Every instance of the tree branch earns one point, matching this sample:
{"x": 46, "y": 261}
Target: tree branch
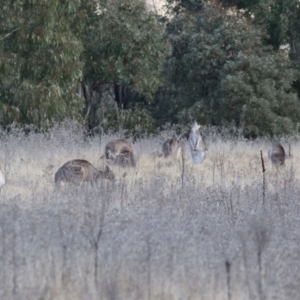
{"x": 8, "y": 34}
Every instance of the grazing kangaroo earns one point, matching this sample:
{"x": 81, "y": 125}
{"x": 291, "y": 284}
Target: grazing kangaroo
{"x": 120, "y": 152}
{"x": 79, "y": 170}
{"x": 277, "y": 155}
{"x": 172, "y": 147}
{"x": 198, "y": 147}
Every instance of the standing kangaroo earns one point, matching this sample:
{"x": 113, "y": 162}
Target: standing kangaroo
{"x": 79, "y": 170}
{"x": 120, "y": 152}
{"x": 198, "y": 147}
{"x": 172, "y": 147}
{"x": 277, "y": 155}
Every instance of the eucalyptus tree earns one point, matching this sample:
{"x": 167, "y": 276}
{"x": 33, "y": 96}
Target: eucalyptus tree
{"x": 39, "y": 61}
{"x": 222, "y": 73}
{"x": 47, "y": 48}
{"x": 281, "y": 20}
{"x": 124, "y": 52}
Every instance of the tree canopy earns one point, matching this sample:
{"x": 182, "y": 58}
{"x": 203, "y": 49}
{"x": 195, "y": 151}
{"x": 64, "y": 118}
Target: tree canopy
{"x": 125, "y": 50}
{"x": 115, "y": 64}
{"x": 221, "y": 72}
{"x": 39, "y": 61}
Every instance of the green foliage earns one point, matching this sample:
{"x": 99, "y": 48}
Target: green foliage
{"x": 39, "y": 61}
{"x": 124, "y": 50}
{"x": 257, "y": 90}
{"x": 221, "y": 68}
{"x": 241, "y": 4}
{"x": 47, "y": 47}
{"x": 281, "y": 20}
{"x": 125, "y": 44}
{"x": 221, "y": 72}
{"x": 177, "y": 6}
{"x": 135, "y": 121}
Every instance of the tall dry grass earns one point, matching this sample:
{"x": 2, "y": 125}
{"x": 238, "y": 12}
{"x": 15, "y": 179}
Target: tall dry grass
{"x": 165, "y": 230}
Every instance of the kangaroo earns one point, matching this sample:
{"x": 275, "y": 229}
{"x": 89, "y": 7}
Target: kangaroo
{"x": 120, "y": 152}
{"x": 198, "y": 147}
{"x": 277, "y": 155}
{"x": 172, "y": 147}
{"x": 79, "y": 170}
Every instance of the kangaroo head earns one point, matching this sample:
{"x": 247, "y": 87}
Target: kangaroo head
{"x": 108, "y": 173}
{"x": 195, "y": 126}
{"x": 110, "y": 154}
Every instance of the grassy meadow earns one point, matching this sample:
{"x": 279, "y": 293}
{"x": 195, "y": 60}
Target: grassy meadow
{"x": 164, "y": 230}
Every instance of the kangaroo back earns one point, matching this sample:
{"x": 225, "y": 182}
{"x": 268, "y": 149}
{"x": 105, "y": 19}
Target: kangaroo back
{"x": 79, "y": 170}
{"x": 277, "y": 154}
{"x": 172, "y": 147}
{"x": 120, "y": 152}
{"x": 118, "y": 146}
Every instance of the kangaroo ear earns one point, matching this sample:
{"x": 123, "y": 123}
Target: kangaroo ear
{"x": 107, "y": 169}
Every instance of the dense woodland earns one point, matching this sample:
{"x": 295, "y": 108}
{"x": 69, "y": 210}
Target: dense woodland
{"x": 116, "y": 64}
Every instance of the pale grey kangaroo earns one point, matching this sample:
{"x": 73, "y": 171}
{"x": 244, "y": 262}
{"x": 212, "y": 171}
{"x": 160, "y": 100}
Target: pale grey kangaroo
{"x": 198, "y": 147}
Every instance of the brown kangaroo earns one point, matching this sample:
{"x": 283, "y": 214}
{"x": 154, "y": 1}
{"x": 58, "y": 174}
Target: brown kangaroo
{"x": 120, "y": 152}
{"x": 79, "y": 170}
{"x": 277, "y": 155}
{"x": 172, "y": 147}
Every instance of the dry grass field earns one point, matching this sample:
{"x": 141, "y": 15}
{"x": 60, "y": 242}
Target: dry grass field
{"x": 164, "y": 230}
